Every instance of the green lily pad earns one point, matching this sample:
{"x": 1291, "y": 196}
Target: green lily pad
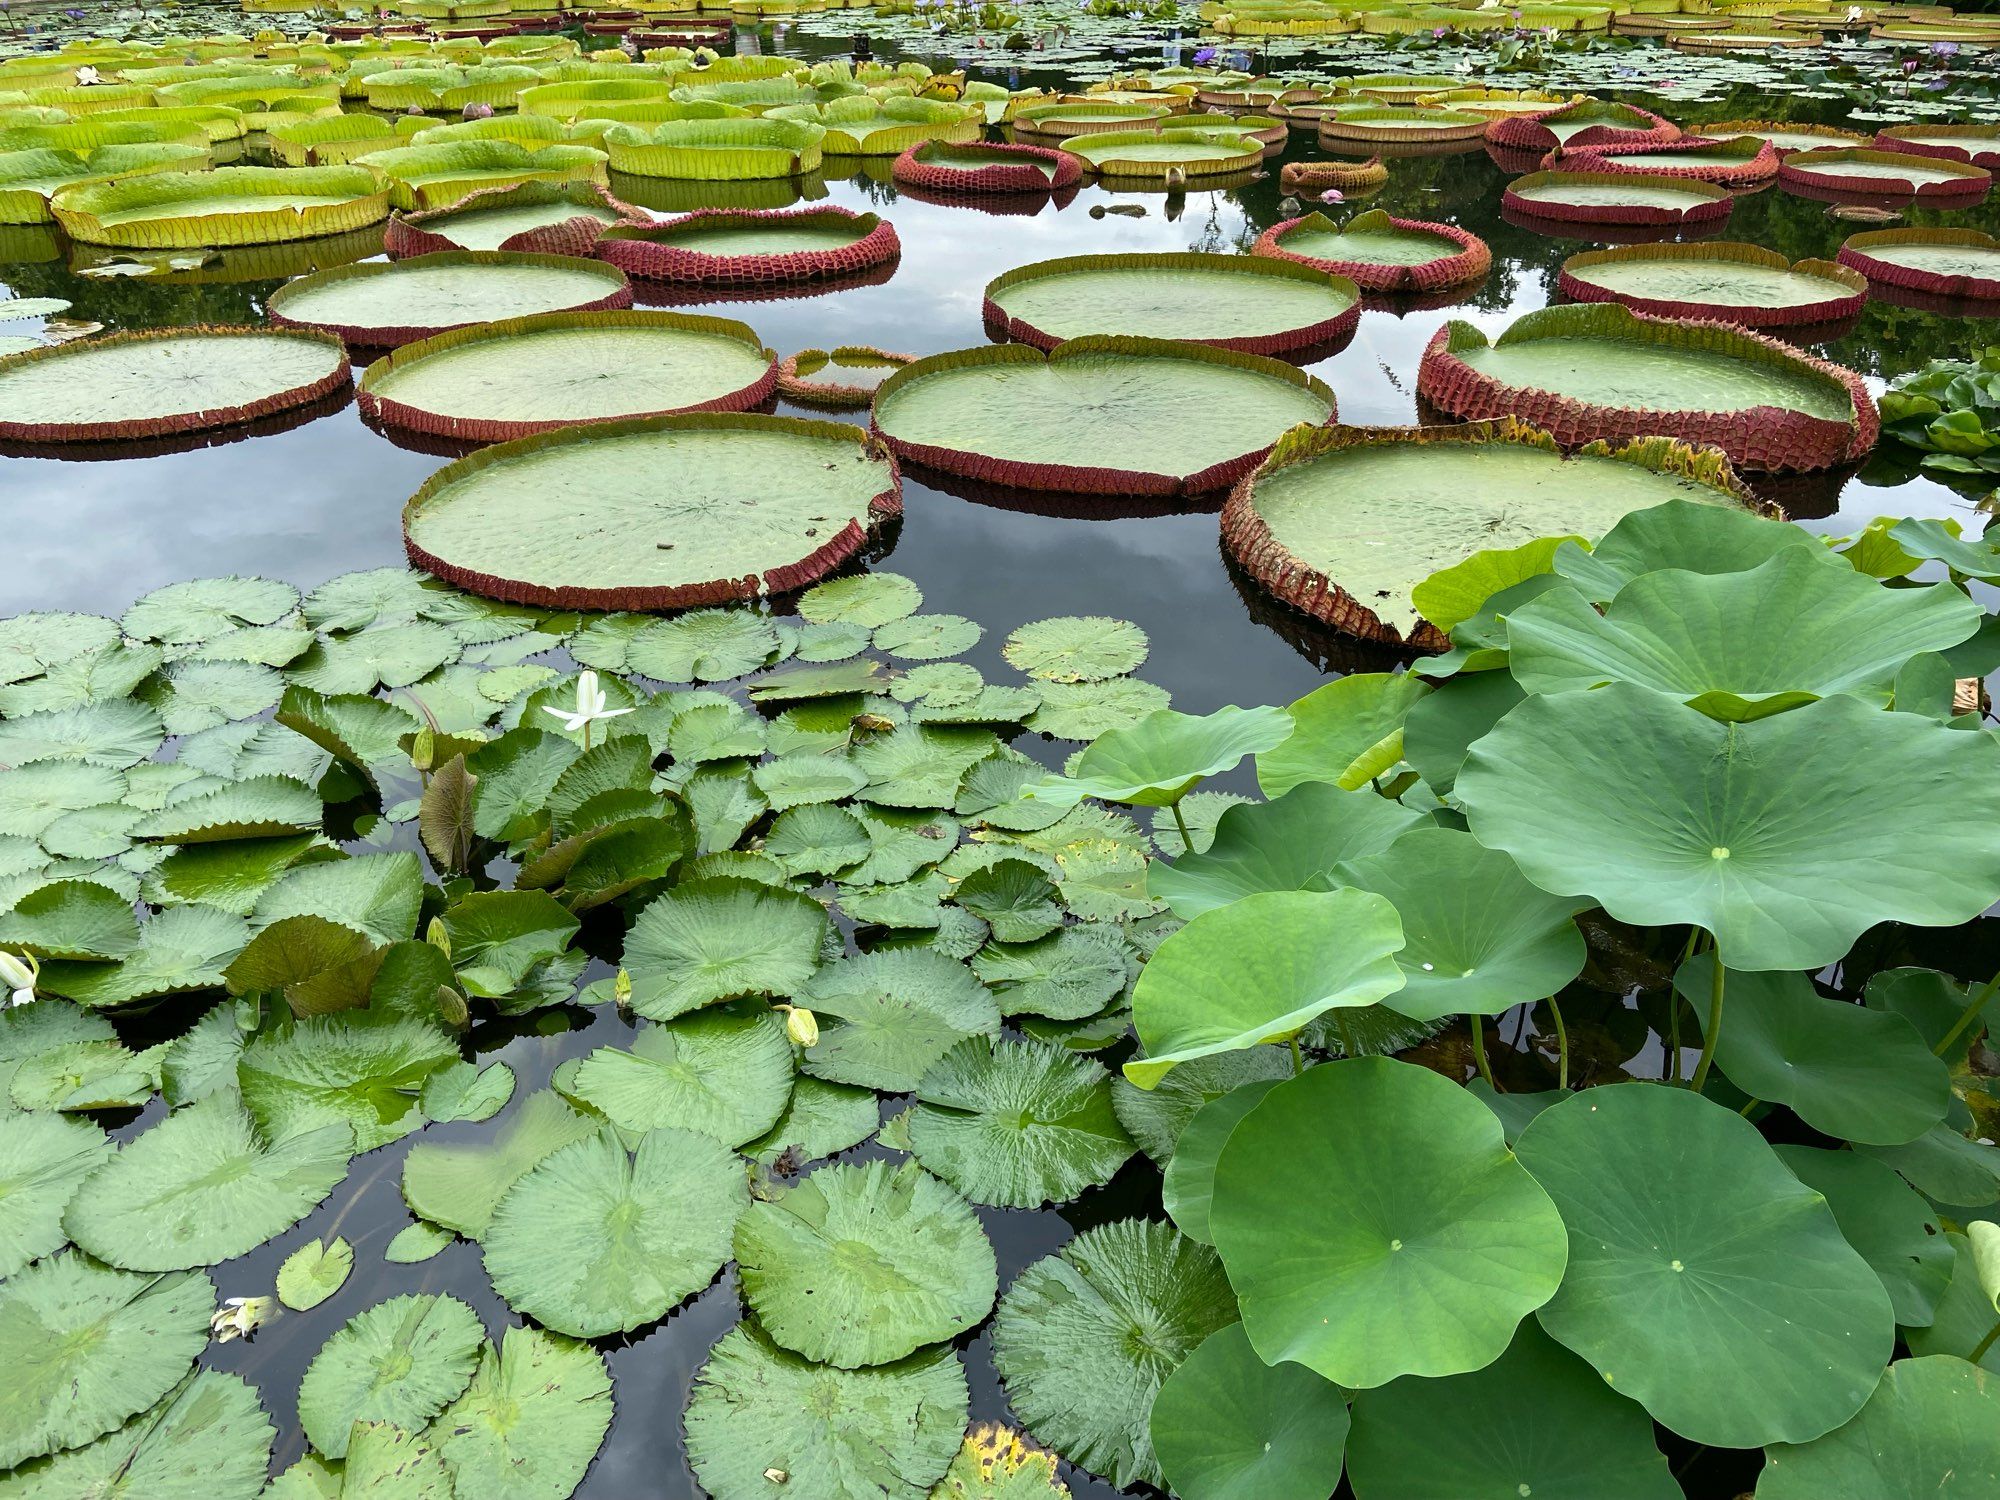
{"x": 1086, "y": 710}
{"x": 804, "y": 778}
{"x": 864, "y": 1264}
{"x": 46, "y": 1156}
{"x": 1157, "y": 761}
{"x": 820, "y": 1120}
{"x": 191, "y": 696}
{"x": 927, "y": 637}
{"x": 1348, "y": 732}
{"x": 256, "y": 807}
{"x": 183, "y": 613}
{"x": 497, "y": 937}
{"x": 721, "y": 1073}
{"x": 1227, "y": 1426}
{"x": 457, "y": 1184}
{"x": 314, "y": 1272}
{"x": 1930, "y": 1427}
{"x": 886, "y": 1017}
{"x": 114, "y": 734}
{"x": 707, "y": 941}
{"x": 997, "y": 1463}
{"x": 375, "y": 894}
{"x": 1887, "y": 1221}
{"x": 705, "y": 645}
{"x": 1156, "y": 1117}
{"x": 1076, "y": 648}
{"x": 34, "y": 796}
{"x": 415, "y": 1243}
{"x": 327, "y": 1069}
{"x": 1013, "y": 898}
{"x": 465, "y": 1091}
{"x": 920, "y": 765}
{"x": 1066, "y": 976}
{"x": 1706, "y": 1283}
{"x": 402, "y": 1361}
{"x": 1187, "y": 1187}
{"x": 31, "y": 644}
{"x": 865, "y": 599}
{"x": 207, "y": 1439}
{"x": 531, "y": 1421}
{"x": 85, "y": 1076}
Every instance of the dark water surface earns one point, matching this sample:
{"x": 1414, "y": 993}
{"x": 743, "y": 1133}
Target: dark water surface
{"x": 325, "y": 497}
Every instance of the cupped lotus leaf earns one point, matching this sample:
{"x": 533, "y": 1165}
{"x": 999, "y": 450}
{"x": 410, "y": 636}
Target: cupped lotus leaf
{"x": 1538, "y": 1421}
{"x": 255, "y": 807}
{"x": 88, "y": 1346}
{"x": 1417, "y": 1257}
{"x": 377, "y": 895}
{"x": 364, "y": 1071}
{"x": 864, "y": 1264}
{"x": 530, "y": 1422}
{"x": 801, "y": 497}
{"x": 1187, "y": 1187}
{"x": 229, "y": 206}
{"x": 889, "y": 1431}
{"x": 1260, "y": 970}
{"x": 402, "y": 1361}
{"x": 457, "y": 1184}
{"x": 1667, "y": 816}
{"x": 997, "y": 1463}
{"x": 1236, "y": 301}
{"x": 439, "y": 174}
{"x": 1348, "y": 732}
{"x": 1478, "y": 937}
{"x": 114, "y": 734}
{"x": 1707, "y": 1283}
{"x": 707, "y": 941}
{"x": 1096, "y": 413}
{"x": 1695, "y": 538}
{"x": 1931, "y": 1426}
{"x": 1227, "y": 1426}
{"x": 887, "y": 1017}
{"x": 1017, "y": 1124}
{"x": 207, "y": 1439}
{"x": 314, "y": 1272}
{"x": 1084, "y": 1340}
{"x": 1743, "y": 645}
{"x": 1887, "y": 1221}
{"x": 1076, "y": 648}
{"x": 1165, "y": 755}
{"x": 1848, "y": 1071}
{"x": 391, "y": 302}
{"x": 46, "y": 1157}
{"x": 198, "y": 610}
{"x": 200, "y": 1188}
{"x": 71, "y": 919}
{"x": 1461, "y": 593}
{"x": 720, "y": 1073}
{"x": 1065, "y": 976}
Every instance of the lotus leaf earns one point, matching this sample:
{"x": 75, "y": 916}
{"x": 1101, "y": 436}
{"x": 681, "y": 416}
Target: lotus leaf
{"x": 1927, "y": 1428}
{"x": 1164, "y": 756}
{"x": 71, "y": 919}
{"x": 375, "y": 894}
{"x": 465, "y": 1091}
{"x": 255, "y": 807}
{"x": 1187, "y": 1187}
{"x": 1227, "y": 1426}
{"x": 1156, "y": 1117}
{"x": 1888, "y": 1222}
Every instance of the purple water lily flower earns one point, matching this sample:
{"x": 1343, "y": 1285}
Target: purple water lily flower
{"x": 1911, "y": 64}
{"x": 1204, "y": 56}
{"x": 1944, "y": 49}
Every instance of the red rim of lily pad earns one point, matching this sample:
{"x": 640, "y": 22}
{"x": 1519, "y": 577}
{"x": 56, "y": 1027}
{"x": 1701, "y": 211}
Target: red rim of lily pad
{"x": 332, "y": 386}
{"x": 1856, "y": 253}
{"x": 1472, "y": 260}
{"x": 1757, "y": 165}
{"x": 1832, "y": 309}
{"x": 795, "y": 372}
{"x": 407, "y": 235}
{"x": 1010, "y": 171}
{"x": 1449, "y": 127}
{"x": 1530, "y": 132}
{"x": 883, "y": 508}
{"x": 391, "y": 336}
{"x": 1757, "y": 437}
{"x": 1812, "y": 172}
{"x": 1714, "y": 210}
{"x": 1343, "y": 176}
{"x": 1982, "y": 148}
{"x": 643, "y": 252}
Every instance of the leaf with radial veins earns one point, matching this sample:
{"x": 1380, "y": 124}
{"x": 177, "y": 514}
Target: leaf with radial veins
{"x": 43, "y": 1157}
{"x": 1348, "y": 732}
{"x": 1884, "y": 1219}
{"x": 314, "y": 1272}
{"x": 207, "y": 1439}
{"x": 400, "y": 1361}
{"x": 1932, "y": 1427}
{"x": 530, "y": 1422}
{"x": 997, "y": 1463}
{"x": 1692, "y": 537}
{"x": 1260, "y": 970}
{"x": 707, "y": 941}
{"x": 1418, "y": 1256}
{"x": 365, "y": 1070}
{"x": 458, "y": 1183}
{"x": 1161, "y": 758}
{"x": 1187, "y": 1187}
{"x": 887, "y": 1016}
{"x": 718, "y": 1072}
{"x": 1784, "y": 837}
{"x": 1706, "y": 1282}
{"x": 1227, "y": 1426}
{"x": 1157, "y": 1117}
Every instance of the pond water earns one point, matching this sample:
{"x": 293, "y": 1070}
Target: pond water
{"x": 324, "y": 498}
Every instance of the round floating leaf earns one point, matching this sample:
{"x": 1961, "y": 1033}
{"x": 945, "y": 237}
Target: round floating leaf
{"x": 817, "y": 839}
{"x": 805, "y": 778}
{"x": 1850, "y": 1072}
{"x": 1538, "y": 1421}
{"x": 1187, "y": 1187}
{"x": 116, "y": 733}
{"x": 886, "y": 1017}
{"x": 706, "y": 941}
{"x": 1931, "y": 1427}
{"x": 191, "y": 696}
{"x": 1884, "y": 1219}
{"x": 821, "y": 1119}
{"x": 864, "y": 599}
{"x": 927, "y": 637}
{"x": 1017, "y": 1124}
{"x": 1227, "y": 1426}
{"x": 592, "y": 1242}
{"x": 1706, "y": 1282}
{"x": 1260, "y": 970}
{"x": 862, "y": 1265}
{"x": 258, "y": 807}
{"x": 415, "y": 1243}
{"x": 1419, "y": 1256}
{"x": 996, "y": 1463}
{"x": 327, "y": 1069}
{"x": 180, "y": 949}
{"x": 209, "y": 1439}
{"x": 1161, "y": 758}
{"x": 717, "y": 1072}
{"x": 200, "y": 1187}
{"x": 1780, "y": 836}
{"x": 388, "y": 656}
{"x": 87, "y": 1346}
{"x": 1012, "y": 897}
{"x": 1065, "y": 976}
{"x": 183, "y": 613}
{"x": 887, "y": 1432}
{"x": 71, "y": 919}
{"x": 530, "y": 1422}
{"x": 1076, "y": 648}
{"x": 706, "y": 645}
{"x": 34, "y": 796}
{"x": 42, "y": 1159}
{"x": 465, "y": 1091}
{"x": 1964, "y": 1315}
{"x": 458, "y": 1183}
{"x": 402, "y": 1362}
{"x": 920, "y": 765}
{"x": 1085, "y": 710}
{"x": 314, "y": 1272}
{"x": 1084, "y": 1339}
{"x": 1348, "y": 732}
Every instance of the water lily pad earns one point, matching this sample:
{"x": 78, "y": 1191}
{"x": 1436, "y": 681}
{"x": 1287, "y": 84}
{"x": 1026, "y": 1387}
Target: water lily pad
{"x": 314, "y": 1272}
{"x": 1227, "y": 1426}
{"x": 886, "y": 1017}
{"x": 388, "y": 656}
{"x": 375, "y": 894}
{"x": 712, "y": 940}
{"x": 1927, "y": 1428}
{"x": 46, "y": 1157}
{"x": 207, "y": 1439}
{"x": 530, "y": 1422}
{"x": 1160, "y": 759}
{"x": 927, "y": 637}
{"x": 256, "y": 807}
{"x": 820, "y": 1120}
{"x": 864, "y": 599}
{"x": 466, "y": 1091}
{"x": 1014, "y": 898}
{"x": 1076, "y": 648}
{"x": 804, "y": 778}
{"x": 1156, "y": 1117}
{"x": 997, "y": 1463}
{"x": 380, "y": 304}
{"x": 75, "y": 919}
{"x": 458, "y": 1183}
{"x": 1065, "y": 976}
{"x": 402, "y": 1361}
{"x": 323, "y": 1070}
{"x": 723, "y": 1074}
{"x": 920, "y": 765}
{"x": 116, "y": 734}
{"x": 1085, "y": 710}
{"x": 415, "y": 1243}
{"x": 708, "y": 645}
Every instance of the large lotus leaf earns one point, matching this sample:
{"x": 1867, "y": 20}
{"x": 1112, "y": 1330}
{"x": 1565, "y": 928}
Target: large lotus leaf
{"x": 1158, "y": 760}
{"x": 1441, "y": 728}
{"x": 719, "y": 1072}
{"x": 886, "y": 1432}
{"x": 1538, "y": 1421}
{"x": 1017, "y": 1124}
{"x": 258, "y": 807}
{"x": 114, "y": 734}
{"x": 1156, "y": 1117}
{"x": 43, "y": 1157}
{"x": 458, "y": 1183}
{"x": 997, "y": 1463}
{"x": 1887, "y": 1221}
{"x": 87, "y": 1346}
{"x": 1932, "y": 1002}
{"x": 1964, "y": 1315}
{"x": 375, "y": 894}
{"x": 1705, "y": 1282}
{"x": 1417, "y": 1256}
{"x": 1739, "y": 646}
{"x": 314, "y": 1272}
{"x": 1260, "y": 970}
{"x": 1850, "y": 1072}
{"x": 707, "y": 941}
{"x": 1187, "y": 1187}
{"x": 1932, "y": 1427}
{"x": 1945, "y": 1165}
{"x": 888, "y": 1016}
{"x": 1348, "y": 732}
{"x": 1227, "y": 1426}
{"x": 530, "y": 1422}
{"x": 180, "y": 949}
{"x": 402, "y": 1361}
{"x": 1292, "y": 843}
{"x": 592, "y": 1242}
{"x": 208, "y": 1439}
{"x": 366, "y": 1071}
{"x": 200, "y": 1187}
{"x": 71, "y": 919}
{"x": 1478, "y": 938}
{"x": 1683, "y": 534}
{"x": 1781, "y": 837}
{"x": 1065, "y": 976}
{"x": 864, "y": 1264}
{"x": 1085, "y": 1338}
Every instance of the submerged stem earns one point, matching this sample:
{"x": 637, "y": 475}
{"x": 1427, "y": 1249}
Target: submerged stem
{"x": 1298, "y": 1057}
{"x": 1187, "y": 839}
{"x": 1967, "y": 1016}
{"x": 1562, "y": 1043}
{"x": 1713, "y": 1029}
{"x": 1479, "y": 1050}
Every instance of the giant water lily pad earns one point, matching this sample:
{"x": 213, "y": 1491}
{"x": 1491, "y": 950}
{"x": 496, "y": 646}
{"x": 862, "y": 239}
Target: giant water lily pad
{"x": 380, "y": 304}
{"x": 526, "y": 521}
{"x": 753, "y": 250}
{"x": 1706, "y": 1283}
{"x": 532, "y": 216}
{"x": 1617, "y": 198}
{"x": 232, "y": 206}
{"x": 1419, "y": 1256}
{"x": 530, "y": 1422}
{"x": 1946, "y": 262}
{"x": 438, "y": 175}
{"x": 1227, "y": 1426}
{"x": 1746, "y": 284}
{"x": 1667, "y": 816}
{"x": 145, "y": 384}
{"x": 45, "y": 1157}
{"x": 1849, "y": 169}
{"x": 402, "y": 1361}
{"x": 1929, "y": 1428}
{"x": 1380, "y": 253}
{"x": 716, "y": 1072}
{"x": 1097, "y": 414}
{"x": 1165, "y": 156}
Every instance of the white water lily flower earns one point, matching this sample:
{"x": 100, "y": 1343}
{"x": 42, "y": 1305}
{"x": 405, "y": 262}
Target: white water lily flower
{"x": 86, "y": 75}
{"x": 589, "y": 709}
{"x": 19, "y": 973}
{"x": 239, "y": 1317}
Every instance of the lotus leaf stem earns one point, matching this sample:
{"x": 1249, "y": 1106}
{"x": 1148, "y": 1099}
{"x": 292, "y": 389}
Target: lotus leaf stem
{"x": 1712, "y": 1030}
{"x": 1967, "y": 1016}
{"x": 1187, "y": 839}
{"x": 1979, "y": 1350}
{"x": 1347, "y": 1048}
{"x": 1562, "y": 1045}
{"x": 1298, "y": 1057}
{"x": 1479, "y": 1051}
{"x": 1674, "y": 1010}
